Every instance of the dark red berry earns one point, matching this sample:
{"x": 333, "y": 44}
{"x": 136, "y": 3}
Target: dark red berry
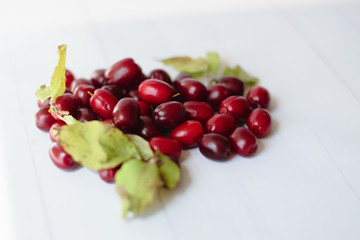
{"x": 243, "y": 142}
{"x": 145, "y": 108}
{"x": 69, "y": 78}
{"x": 126, "y": 114}
{"x": 85, "y": 114}
{"x": 78, "y": 82}
{"x": 200, "y": 111}
{"x": 169, "y": 114}
{"x": 44, "y": 119}
{"x": 215, "y": 146}
{"x": 109, "y": 121}
{"x": 216, "y": 93}
{"x": 167, "y": 146}
{"x": 221, "y": 123}
{"x": 54, "y": 130}
{"x": 155, "y": 92}
{"x": 238, "y": 106}
{"x": 103, "y": 103}
{"x": 98, "y": 78}
{"x": 46, "y": 103}
{"x": 259, "y": 122}
{"x": 235, "y": 85}
{"x": 188, "y": 133}
{"x": 60, "y": 158}
{"x": 124, "y": 73}
{"x": 147, "y": 128}
{"x": 160, "y": 75}
{"x": 191, "y": 90}
{"x": 259, "y": 97}
{"x": 179, "y": 78}
{"x": 108, "y": 175}
{"x": 83, "y": 94}
{"x": 115, "y": 90}
{"x": 66, "y": 103}
{"x": 133, "y": 93}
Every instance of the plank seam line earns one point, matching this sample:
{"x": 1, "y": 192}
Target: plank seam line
{"x": 37, "y": 179}
{"x": 317, "y": 53}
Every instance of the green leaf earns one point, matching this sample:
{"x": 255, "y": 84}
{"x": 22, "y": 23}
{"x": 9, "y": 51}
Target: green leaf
{"x": 213, "y": 61}
{"x": 169, "y": 171}
{"x": 58, "y": 79}
{"x": 187, "y": 64}
{"x": 238, "y": 72}
{"x": 43, "y": 93}
{"x": 142, "y": 146}
{"x": 97, "y": 145}
{"x": 138, "y": 183}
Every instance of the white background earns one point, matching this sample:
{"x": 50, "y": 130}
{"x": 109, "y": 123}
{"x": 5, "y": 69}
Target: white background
{"x": 304, "y": 182}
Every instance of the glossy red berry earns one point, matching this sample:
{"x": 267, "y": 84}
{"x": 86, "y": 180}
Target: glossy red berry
{"x": 167, "y": 146}
{"x": 169, "y": 114}
{"x": 235, "y": 85}
{"x": 78, "y": 82}
{"x": 44, "y": 119}
{"x": 124, "y": 73}
{"x": 259, "y": 97}
{"x": 46, "y": 103}
{"x": 145, "y": 108}
{"x": 69, "y": 78}
{"x": 147, "y": 128}
{"x": 191, "y": 90}
{"x": 83, "y": 94}
{"x": 200, "y": 111}
{"x": 85, "y": 114}
{"x": 115, "y": 90}
{"x": 160, "y": 75}
{"x": 108, "y": 175}
{"x": 221, "y": 123}
{"x": 66, "y": 103}
{"x": 188, "y": 133}
{"x": 243, "y": 142}
{"x": 133, "y": 93}
{"x": 155, "y": 92}
{"x": 179, "y": 78}
{"x": 60, "y": 158}
{"x": 216, "y": 93}
{"x": 98, "y": 78}
{"x": 259, "y": 122}
{"x": 215, "y": 146}
{"x": 238, "y": 106}
{"x": 126, "y": 114}
{"x": 54, "y": 130}
{"x": 103, "y": 103}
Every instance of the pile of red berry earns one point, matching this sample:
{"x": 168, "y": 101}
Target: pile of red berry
{"x": 171, "y": 115}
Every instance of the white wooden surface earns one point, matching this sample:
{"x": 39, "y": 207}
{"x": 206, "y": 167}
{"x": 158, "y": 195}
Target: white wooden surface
{"x": 304, "y": 183}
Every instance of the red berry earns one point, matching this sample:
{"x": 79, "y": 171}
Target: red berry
{"x": 167, "y": 146}
{"x": 115, "y": 90}
{"x": 216, "y": 93}
{"x": 124, "y": 73}
{"x": 85, "y": 114}
{"x": 179, "y": 78}
{"x": 215, "y": 146}
{"x": 103, "y": 103}
{"x": 69, "y": 78}
{"x": 147, "y": 128}
{"x": 98, "y": 78}
{"x": 169, "y": 114}
{"x": 221, "y": 123}
{"x": 259, "y": 122}
{"x": 191, "y": 90}
{"x": 145, "y": 108}
{"x": 238, "y": 106}
{"x": 200, "y": 111}
{"x": 65, "y": 102}
{"x": 54, "y": 130}
{"x": 44, "y": 119}
{"x": 243, "y": 142}
{"x": 108, "y": 175}
{"x": 83, "y": 94}
{"x": 160, "y": 75}
{"x": 60, "y": 158}
{"x": 235, "y": 85}
{"x": 133, "y": 93}
{"x": 46, "y": 103}
{"x": 155, "y": 92}
{"x": 188, "y": 133}
{"x": 126, "y": 114}
{"x": 259, "y": 97}
{"x": 78, "y": 82}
